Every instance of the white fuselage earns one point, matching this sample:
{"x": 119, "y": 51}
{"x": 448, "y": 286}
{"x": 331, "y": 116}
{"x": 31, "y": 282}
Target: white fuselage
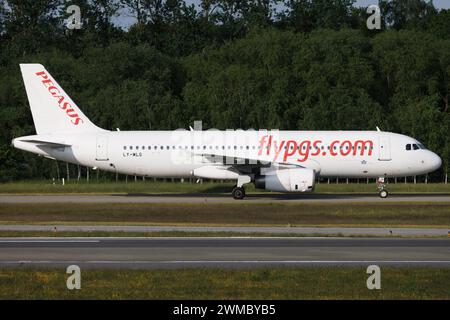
{"x": 352, "y": 154}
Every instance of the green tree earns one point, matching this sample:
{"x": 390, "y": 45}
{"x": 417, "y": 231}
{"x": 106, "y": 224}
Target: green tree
{"x": 30, "y": 25}
{"x": 440, "y": 24}
{"x": 306, "y": 15}
{"x": 336, "y": 78}
{"x": 407, "y": 14}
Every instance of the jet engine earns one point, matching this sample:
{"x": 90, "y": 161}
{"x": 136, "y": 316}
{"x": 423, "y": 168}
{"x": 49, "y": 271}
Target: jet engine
{"x": 287, "y": 180}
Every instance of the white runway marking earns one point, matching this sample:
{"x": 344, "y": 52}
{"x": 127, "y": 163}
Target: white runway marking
{"x": 49, "y": 241}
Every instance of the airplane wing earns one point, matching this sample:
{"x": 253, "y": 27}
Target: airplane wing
{"x": 244, "y": 165}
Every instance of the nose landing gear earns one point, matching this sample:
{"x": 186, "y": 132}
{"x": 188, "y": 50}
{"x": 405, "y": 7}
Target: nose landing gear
{"x": 382, "y": 188}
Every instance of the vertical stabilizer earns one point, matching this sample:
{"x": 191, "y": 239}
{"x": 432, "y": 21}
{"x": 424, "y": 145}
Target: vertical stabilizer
{"x": 52, "y": 109}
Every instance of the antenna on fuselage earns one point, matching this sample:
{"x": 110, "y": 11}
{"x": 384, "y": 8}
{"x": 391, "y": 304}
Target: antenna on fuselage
{"x": 378, "y": 129}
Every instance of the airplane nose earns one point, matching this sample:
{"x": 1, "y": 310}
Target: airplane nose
{"x": 435, "y": 161}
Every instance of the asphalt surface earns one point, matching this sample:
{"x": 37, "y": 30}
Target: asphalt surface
{"x": 222, "y": 252}
{"x": 202, "y": 198}
{"x": 392, "y": 232}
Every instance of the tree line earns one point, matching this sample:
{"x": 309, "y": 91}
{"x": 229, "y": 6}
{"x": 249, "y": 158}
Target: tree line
{"x": 293, "y": 64}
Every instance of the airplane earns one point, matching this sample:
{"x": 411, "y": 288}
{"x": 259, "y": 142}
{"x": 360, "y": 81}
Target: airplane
{"x": 275, "y": 160}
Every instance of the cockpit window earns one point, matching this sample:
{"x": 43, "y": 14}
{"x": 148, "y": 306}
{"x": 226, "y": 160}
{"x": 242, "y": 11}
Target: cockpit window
{"x": 408, "y": 147}
{"x": 421, "y": 146}
{"x": 416, "y": 147}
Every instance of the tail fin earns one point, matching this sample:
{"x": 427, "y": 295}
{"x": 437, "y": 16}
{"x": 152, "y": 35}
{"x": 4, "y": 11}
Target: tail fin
{"x": 52, "y": 109}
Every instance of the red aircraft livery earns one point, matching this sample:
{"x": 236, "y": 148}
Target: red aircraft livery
{"x": 63, "y": 104}
{"x": 308, "y": 148}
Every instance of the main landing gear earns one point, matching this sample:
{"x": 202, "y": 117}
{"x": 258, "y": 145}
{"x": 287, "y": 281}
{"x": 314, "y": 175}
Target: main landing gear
{"x": 382, "y": 188}
{"x": 238, "y": 193}
{"x": 238, "y": 190}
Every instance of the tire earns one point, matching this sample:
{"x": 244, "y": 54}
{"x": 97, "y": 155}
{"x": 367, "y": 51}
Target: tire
{"x": 384, "y": 194}
{"x": 238, "y": 193}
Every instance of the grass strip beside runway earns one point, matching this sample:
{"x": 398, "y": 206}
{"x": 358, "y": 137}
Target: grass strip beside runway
{"x": 276, "y": 283}
{"x": 257, "y": 214}
{"x": 120, "y": 234}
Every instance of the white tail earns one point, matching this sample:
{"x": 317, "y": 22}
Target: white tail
{"x": 52, "y": 109}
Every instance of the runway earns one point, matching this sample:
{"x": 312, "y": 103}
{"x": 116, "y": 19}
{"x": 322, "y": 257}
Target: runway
{"x": 222, "y": 252}
{"x": 214, "y": 198}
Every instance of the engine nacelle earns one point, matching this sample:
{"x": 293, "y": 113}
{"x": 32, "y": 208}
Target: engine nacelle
{"x": 287, "y": 180}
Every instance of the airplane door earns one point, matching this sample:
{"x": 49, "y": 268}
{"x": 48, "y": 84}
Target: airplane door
{"x": 102, "y": 148}
{"x": 385, "y": 148}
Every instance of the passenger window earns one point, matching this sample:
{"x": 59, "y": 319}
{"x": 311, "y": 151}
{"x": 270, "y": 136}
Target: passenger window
{"x": 131, "y": 147}
{"x": 149, "y": 147}
{"x": 124, "y": 147}
{"x": 137, "y": 147}
{"x": 408, "y": 147}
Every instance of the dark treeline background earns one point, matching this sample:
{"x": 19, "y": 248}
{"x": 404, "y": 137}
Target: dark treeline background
{"x": 293, "y": 64}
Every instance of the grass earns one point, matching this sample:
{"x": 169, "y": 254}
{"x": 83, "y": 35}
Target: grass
{"x": 222, "y": 284}
{"x": 251, "y": 214}
{"x": 51, "y": 234}
{"x": 46, "y": 187}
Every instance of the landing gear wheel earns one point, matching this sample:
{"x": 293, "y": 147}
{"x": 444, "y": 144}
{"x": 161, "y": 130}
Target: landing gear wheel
{"x": 384, "y": 194}
{"x": 238, "y": 193}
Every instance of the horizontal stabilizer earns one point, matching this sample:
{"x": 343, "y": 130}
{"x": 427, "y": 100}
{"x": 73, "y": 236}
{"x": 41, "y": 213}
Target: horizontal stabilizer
{"x": 48, "y": 142}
